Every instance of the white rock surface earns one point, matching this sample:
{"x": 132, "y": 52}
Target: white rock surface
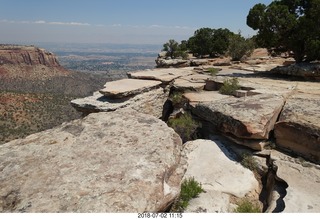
{"x": 213, "y": 166}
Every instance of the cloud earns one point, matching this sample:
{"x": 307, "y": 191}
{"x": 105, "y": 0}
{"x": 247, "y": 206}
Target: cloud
{"x": 69, "y": 23}
{"x": 45, "y": 22}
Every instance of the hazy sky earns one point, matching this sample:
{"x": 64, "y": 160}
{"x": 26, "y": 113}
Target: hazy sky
{"x": 118, "y": 21}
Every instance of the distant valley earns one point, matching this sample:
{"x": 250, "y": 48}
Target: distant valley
{"x": 37, "y": 85}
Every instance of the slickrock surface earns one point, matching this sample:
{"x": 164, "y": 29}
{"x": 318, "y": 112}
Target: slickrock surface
{"x": 298, "y": 128}
{"x": 191, "y": 82}
{"x": 204, "y": 96}
{"x": 220, "y": 176}
{"x": 150, "y": 102}
{"x": 243, "y": 118}
{"x": 164, "y": 75}
{"x": 127, "y": 87}
{"x": 122, "y": 161}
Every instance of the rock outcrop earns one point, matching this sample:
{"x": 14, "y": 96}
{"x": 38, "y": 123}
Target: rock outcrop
{"x": 30, "y": 55}
{"x": 298, "y": 128}
{"x": 303, "y": 71}
{"x": 122, "y": 161}
{"x": 150, "y": 102}
{"x": 212, "y": 165}
{"x": 247, "y": 121}
{"x": 127, "y": 87}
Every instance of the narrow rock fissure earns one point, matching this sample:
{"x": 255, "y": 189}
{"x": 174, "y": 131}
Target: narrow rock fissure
{"x": 274, "y": 189}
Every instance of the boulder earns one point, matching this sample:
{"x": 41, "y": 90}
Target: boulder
{"x": 122, "y": 161}
{"x": 150, "y": 102}
{"x": 247, "y": 120}
{"x": 198, "y": 62}
{"x": 309, "y": 71}
{"x": 166, "y": 63}
{"x": 221, "y": 177}
{"x": 127, "y": 87}
{"x": 298, "y": 128}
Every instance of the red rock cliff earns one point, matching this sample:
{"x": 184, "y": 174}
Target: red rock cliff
{"x": 30, "y": 55}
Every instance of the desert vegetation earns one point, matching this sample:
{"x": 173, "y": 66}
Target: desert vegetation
{"x": 190, "y": 189}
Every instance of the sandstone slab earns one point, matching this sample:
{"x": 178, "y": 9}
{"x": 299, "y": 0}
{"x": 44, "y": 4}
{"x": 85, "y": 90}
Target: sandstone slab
{"x": 163, "y": 75}
{"x": 127, "y": 87}
{"x": 298, "y": 128}
{"x": 249, "y": 118}
{"x": 122, "y": 161}
{"x": 220, "y": 176}
{"x": 150, "y": 102}
{"x": 191, "y": 82}
{"x": 204, "y": 96}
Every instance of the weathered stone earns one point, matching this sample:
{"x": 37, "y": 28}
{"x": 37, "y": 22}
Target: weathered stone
{"x": 221, "y": 177}
{"x": 166, "y": 63}
{"x": 198, "y": 62}
{"x": 204, "y": 96}
{"x": 163, "y": 75}
{"x": 97, "y": 164}
{"x": 303, "y": 70}
{"x": 127, "y": 87}
{"x": 150, "y": 102}
{"x": 244, "y": 118}
{"x": 296, "y": 187}
{"x": 191, "y": 82}
{"x": 298, "y": 128}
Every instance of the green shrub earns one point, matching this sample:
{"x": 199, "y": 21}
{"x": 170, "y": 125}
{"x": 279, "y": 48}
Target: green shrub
{"x": 249, "y": 162}
{"x": 230, "y": 86}
{"x": 177, "y": 98}
{"x": 185, "y": 126}
{"x": 190, "y": 189}
{"x": 245, "y": 206}
{"x": 213, "y": 71}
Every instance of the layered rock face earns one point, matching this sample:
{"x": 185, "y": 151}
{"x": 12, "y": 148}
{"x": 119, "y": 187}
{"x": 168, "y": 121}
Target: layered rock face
{"x": 246, "y": 120}
{"x": 28, "y": 63}
{"x": 98, "y": 164}
{"x": 27, "y": 55}
{"x": 298, "y": 128}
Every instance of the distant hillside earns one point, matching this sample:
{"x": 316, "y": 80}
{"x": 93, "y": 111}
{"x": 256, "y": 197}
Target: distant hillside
{"x": 35, "y": 91}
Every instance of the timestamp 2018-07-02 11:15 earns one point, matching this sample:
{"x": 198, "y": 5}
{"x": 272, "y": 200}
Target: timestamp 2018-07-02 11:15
{"x": 160, "y": 215}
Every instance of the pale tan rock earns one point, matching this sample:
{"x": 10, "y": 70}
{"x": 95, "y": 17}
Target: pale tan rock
{"x": 164, "y": 75}
{"x": 210, "y": 164}
{"x": 203, "y": 96}
{"x": 127, "y": 87}
{"x": 191, "y": 82}
{"x": 246, "y": 118}
{"x": 150, "y": 102}
{"x": 298, "y": 128}
{"x": 122, "y": 161}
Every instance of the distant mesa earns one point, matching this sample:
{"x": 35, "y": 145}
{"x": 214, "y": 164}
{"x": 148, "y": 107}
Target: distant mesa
{"x": 29, "y": 55}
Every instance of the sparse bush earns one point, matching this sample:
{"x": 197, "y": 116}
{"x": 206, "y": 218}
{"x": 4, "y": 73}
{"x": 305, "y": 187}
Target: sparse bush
{"x": 245, "y": 206}
{"x": 177, "y": 98}
{"x": 249, "y": 162}
{"x": 230, "y": 86}
{"x": 213, "y": 71}
{"x": 190, "y": 189}
{"x": 185, "y": 126}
